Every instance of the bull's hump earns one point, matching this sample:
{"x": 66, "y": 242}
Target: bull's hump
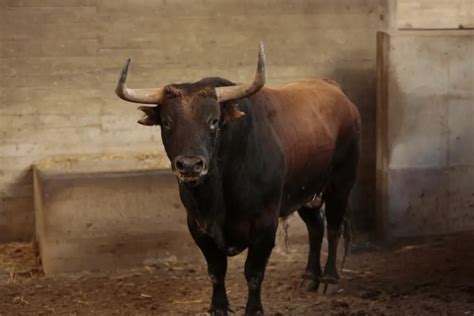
{"x": 305, "y": 84}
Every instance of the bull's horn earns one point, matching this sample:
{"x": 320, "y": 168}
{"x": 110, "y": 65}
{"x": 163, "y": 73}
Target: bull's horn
{"x": 146, "y": 96}
{"x": 244, "y": 90}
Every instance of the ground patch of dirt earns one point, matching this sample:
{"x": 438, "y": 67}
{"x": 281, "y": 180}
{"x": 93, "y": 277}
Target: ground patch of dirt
{"x": 431, "y": 277}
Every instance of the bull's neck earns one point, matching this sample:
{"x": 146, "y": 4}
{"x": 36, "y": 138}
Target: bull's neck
{"x": 205, "y": 198}
{"x": 205, "y": 205}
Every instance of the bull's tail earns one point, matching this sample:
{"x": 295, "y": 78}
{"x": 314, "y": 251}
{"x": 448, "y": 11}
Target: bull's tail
{"x": 347, "y": 234}
{"x": 285, "y": 224}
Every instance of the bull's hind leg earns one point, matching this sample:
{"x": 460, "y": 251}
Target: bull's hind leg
{"x": 314, "y": 221}
{"x": 336, "y": 199}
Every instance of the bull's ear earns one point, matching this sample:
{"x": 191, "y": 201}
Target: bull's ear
{"x": 151, "y": 117}
{"x": 231, "y": 113}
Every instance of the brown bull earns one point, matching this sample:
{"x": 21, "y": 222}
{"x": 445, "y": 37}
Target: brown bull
{"x": 245, "y": 155}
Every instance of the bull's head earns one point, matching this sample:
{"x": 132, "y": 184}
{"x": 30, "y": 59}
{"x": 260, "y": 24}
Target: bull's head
{"x": 190, "y": 116}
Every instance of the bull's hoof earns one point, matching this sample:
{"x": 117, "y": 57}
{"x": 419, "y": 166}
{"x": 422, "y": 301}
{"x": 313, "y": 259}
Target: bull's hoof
{"x": 254, "y": 309}
{"x": 215, "y": 311}
{"x": 330, "y": 284}
{"x": 310, "y": 282}
{"x": 327, "y": 279}
{"x": 330, "y": 289}
{"x": 310, "y": 285}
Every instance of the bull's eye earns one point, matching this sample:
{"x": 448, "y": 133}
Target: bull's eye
{"x": 166, "y": 124}
{"x": 213, "y": 124}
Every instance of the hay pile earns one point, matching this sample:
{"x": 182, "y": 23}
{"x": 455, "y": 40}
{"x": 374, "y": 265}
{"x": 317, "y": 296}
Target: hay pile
{"x": 18, "y": 260}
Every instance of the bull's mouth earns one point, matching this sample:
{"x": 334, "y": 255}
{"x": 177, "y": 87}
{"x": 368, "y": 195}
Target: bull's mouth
{"x": 191, "y": 181}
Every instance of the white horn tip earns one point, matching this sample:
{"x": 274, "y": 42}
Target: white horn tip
{"x": 261, "y": 51}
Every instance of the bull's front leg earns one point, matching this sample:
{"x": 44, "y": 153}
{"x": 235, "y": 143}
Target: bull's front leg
{"x": 258, "y": 254}
{"x": 216, "y": 268}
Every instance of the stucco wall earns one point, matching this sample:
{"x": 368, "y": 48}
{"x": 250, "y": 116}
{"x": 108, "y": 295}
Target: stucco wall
{"x": 59, "y": 61}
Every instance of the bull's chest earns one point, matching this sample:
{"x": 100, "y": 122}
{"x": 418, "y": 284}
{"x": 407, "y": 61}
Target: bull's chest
{"x": 231, "y": 236}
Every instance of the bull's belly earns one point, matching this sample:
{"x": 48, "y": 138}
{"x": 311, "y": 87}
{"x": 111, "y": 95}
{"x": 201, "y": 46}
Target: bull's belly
{"x": 307, "y": 175}
{"x": 235, "y": 234}
{"x": 299, "y": 193}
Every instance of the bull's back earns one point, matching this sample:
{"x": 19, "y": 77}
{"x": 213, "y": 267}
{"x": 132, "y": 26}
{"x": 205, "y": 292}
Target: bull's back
{"x": 309, "y": 120}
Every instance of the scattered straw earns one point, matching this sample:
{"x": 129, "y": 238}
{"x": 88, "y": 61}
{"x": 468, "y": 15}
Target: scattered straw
{"x": 19, "y": 259}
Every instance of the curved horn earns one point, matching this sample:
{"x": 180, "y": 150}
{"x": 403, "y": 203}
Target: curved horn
{"x": 146, "y": 96}
{"x": 244, "y": 90}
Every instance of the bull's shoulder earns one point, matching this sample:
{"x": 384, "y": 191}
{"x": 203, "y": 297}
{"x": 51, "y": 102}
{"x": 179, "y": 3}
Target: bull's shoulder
{"x": 322, "y": 98}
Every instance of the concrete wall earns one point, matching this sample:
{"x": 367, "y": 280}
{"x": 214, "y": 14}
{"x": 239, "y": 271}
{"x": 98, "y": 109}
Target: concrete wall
{"x": 435, "y": 14}
{"x": 426, "y": 141}
{"x": 59, "y": 61}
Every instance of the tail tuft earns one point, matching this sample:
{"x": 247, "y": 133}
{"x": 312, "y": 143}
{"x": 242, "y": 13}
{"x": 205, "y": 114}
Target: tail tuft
{"x": 347, "y": 234}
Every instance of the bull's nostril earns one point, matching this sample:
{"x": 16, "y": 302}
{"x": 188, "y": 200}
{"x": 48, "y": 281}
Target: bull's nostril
{"x": 179, "y": 165}
{"x": 199, "y": 165}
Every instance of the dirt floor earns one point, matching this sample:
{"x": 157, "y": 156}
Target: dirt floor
{"x": 431, "y": 277}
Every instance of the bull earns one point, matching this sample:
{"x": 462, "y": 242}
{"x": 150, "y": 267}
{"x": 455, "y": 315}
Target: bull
{"x": 245, "y": 155}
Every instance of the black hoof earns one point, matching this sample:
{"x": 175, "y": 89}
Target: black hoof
{"x": 330, "y": 284}
{"x": 310, "y": 285}
{"x": 329, "y": 279}
{"x": 254, "y": 310}
{"x": 214, "y": 311}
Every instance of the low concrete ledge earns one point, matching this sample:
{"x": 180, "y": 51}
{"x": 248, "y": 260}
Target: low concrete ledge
{"x": 108, "y": 212}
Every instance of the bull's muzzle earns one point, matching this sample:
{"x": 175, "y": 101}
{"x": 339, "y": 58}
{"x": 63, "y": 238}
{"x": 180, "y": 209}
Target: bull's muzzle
{"x": 190, "y": 168}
